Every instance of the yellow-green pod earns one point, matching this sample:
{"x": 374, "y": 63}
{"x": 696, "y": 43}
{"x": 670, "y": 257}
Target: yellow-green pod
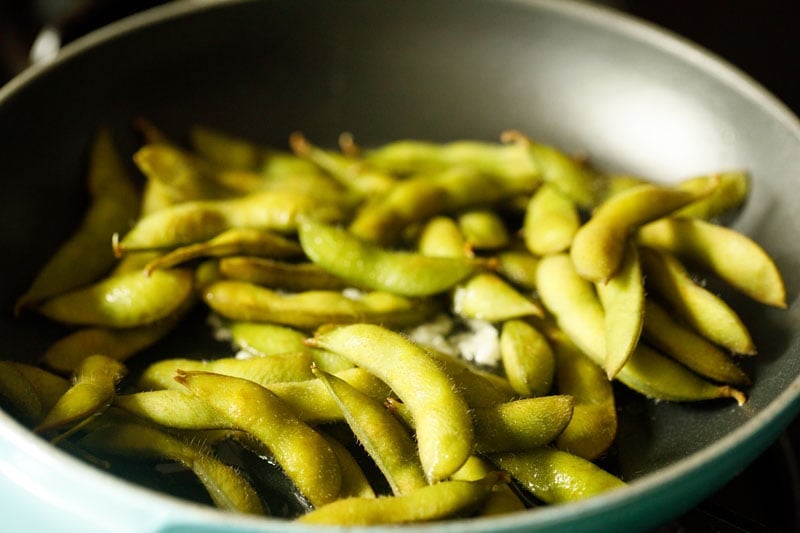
{"x": 123, "y": 301}
{"x": 225, "y": 149}
{"x": 442, "y": 237}
{"x": 483, "y": 229}
{"x": 384, "y": 438}
{"x": 93, "y": 389}
{"x": 447, "y": 499}
{"x": 732, "y": 256}
{"x": 521, "y": 424}
{"x": 706, "y": 312}
{"x": 622, "y": 298}
{"x": 486, "y": 296}
{"x": 67, "y": 353}
{"x": 518, "y": 267}
{"x": 124, "y": 436}
{"x": 201, "y": 220}
{"x": 593, "y": 426}
{"x": 572, "y": 177}
{"x": 242, "y": 301}
{"x": 689, "y": 348}
{"x": 729, "y": 195}
{"x": 528, "y": 360}
{"x": 293, "y": 277}
{"x": 237, "y": 241}
{"x": 555, "y": 476}
{"x": 354, "y": 480}
{"x": 304, "y": 454}
{"x": 262, "y": 339}
{"x": 186, "y": 176}
{"x": 172, "y": 408}
{"x": 368, "y": 265}
{"x": 551, "y": 221}
{"x": 577, "y": 310}
{"x": 502, "y": 500}
{"x": 480, "y": 388}
{"x": 441, "y": 416}
{"x": 353, "y": 174}
{"x": 19, "y": 393}
{"x": 48, "y": 387}
{"x": 599, "y": 245}
{"x": 261, "y": 370}
{"x": 86, "y": 255}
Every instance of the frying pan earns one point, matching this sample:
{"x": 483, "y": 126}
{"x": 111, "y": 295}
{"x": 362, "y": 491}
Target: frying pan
{"x": 632, "y": 97}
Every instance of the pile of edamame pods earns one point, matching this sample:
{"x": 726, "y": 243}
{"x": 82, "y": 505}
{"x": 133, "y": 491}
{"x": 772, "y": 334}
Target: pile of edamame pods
{"x": 324, "y": 267}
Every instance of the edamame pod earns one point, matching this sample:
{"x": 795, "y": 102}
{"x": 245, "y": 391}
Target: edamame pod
{"x": 502, "y": 500}
{"x": 384, "y": 437}
{"x": 706, "y": 312}
{"x": 293, "y": 277}
{"x": 555, "y": 476}
{"x": 304, "y": 454}
{"x": 262, "y": 370}
{"x": 622, "y": 298}
{"x": 49, "y": 387}
{"x": 576, "y": 308}
{"x": 528, "y": 361}
{"x": 237, "y": 241}
{"x": 442, "y": 237}
{"x": 19, "y": 393}
{"x": 201, "y": 220}
{"x": 85, "y": 256}
{"x": 733, "y": 257}
{"x": 518, "y": 267}
{"x": 124, "y": 436}
{"x": 521, "y": 424}
{"x": 441, "y": 416}
{"x": 262, "y": 339}
{"x": 486, "y": 296}
{"x": 238, "y": 300}
{"x": 172, "y": 408}
{"x": 730, "y": 193}
{"x": 123, "y": 301}
{"x": 599, "y": 245}
{"x": 447, "y": 499}
{"x": 483, "y": 229}
{"x": 367, "y": 265}
{"x": 551, "y": 221}
{"x": 93, "y": 389}
{"x": 689, "y": 348}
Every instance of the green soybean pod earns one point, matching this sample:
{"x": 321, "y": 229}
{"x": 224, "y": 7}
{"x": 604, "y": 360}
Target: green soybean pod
{"x": 555, "y": 476}
{"x": 262, "y": 370}
{"x": 49, "y": 387}
{"x": 483, "y": 229}
{"x": 622, "y": 298}
{"x": 551, "y": 221}
{"x": 593, "y": 426}
{"x": 385, "y": 439}
{"x": 704, "y": 311}
{"x": 236, "y": 241}
{"x": 479, "y": 388}
{"x": 367, "y": 265}
{"x": 689, "y": 348}
{"x": 19, "y": 393}
{"x": 126, "y": 300}
{"x": 528, "y": 360}
{"x": 242, "y": 301}
{"x": 441, "y": 237}
{"x": 124, "y": 436}
{"x": 731, "y": 256}
{"x": 172, "y": 408}
{"x": 521, "y": 424}
{"x": 729, "y": 195}
{"x": 86, "y": 256}
{"x": 446, "y": 499}
{"x": 92, "y": 391}
{"x": 486, "y": 296}
{"x": 503, "y": 498}
{"x": 518, "y": 267}
{"x": 287, "y": 276}
{"x": 441, "y": 416}
{"x": 262, "y": 339}
{"x": 304, "y": 454}
{"x": 599, "y": 245}
{"x": 576, "y": 308}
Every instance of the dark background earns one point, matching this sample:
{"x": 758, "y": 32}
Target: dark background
{"x": 759, "y": 37}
